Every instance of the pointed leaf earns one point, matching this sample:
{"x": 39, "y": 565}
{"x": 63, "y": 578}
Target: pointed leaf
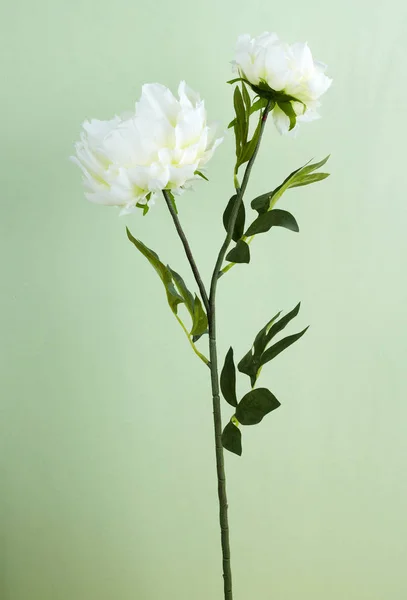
{"x": 240, "y": 253}
{"x": 258, "y": 105}
{"x": 252, "y": 362}
{"x": 199, "y": 319}
{"x": 195, "y": 338}
{"x": 281, "y": 324}
{"x": 144, "y": 207}
{"x": 231, "y": 81}
{"x": 249, "y": 147}
{"x": 200, "y": 174}
{"x": 306, "y": 169}
{"x": 240, "y": 219}
{"x": 287, "y": 108}
{"x": 246, "y": 97}
{"x": 246, "y": 364}
{"x": 228, "y": 379}
{"x": 272, "y": 218}
{"x": 255, "y": 405}
{"x": 172, "y": 199}
{"x": 260, "y": 341}
{"x": 240, "y": 111}
{"x": 278, "y": 347}
{"x": 265, "y": 202}
{"x": 238, "y": 138}
{"x": 164, "y": 273}
{"x": 247, "y": 103}
{"x": 232, "y": 439}
{"x": 308, "y": 179}
{"x": 261, "y": 203}
{"x": 183, "y": 290}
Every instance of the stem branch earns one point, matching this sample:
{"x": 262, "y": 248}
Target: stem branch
{"x": 188, "y": 250}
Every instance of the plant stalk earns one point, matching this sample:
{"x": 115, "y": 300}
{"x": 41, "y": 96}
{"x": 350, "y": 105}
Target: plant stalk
{"x": 217, "y": 415}
{"x": 210, "y": 306}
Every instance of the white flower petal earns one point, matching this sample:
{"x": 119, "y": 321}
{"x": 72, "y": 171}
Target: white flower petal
{"x": 302, "y": 56}
{"x": 157, "y": 101}
{"x": 281, "y": 121}
{"x": 287, "y": 69}
{"x": 190, "y": 127}
{"x": 160, "y": 146}
{"x": 104, "y": 198}
{"x": 179, "y": 175}
{"x": 187, "y": 97}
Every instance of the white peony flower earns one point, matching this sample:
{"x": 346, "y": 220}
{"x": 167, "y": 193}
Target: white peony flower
{"x": 284, "y": 70}
{"x": 129, "y": 159}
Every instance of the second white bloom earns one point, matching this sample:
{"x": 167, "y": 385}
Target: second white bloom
{"x": 285, "y": 68}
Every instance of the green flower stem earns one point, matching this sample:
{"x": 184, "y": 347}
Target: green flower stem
{"x": 194, "y": 348}
{"x": 213, "y": 364}
{"x": 276, "y": 198}
{"x": 188, "y": 251}
{"x": 217, "y": 415}
{"x": 249, "y": 240}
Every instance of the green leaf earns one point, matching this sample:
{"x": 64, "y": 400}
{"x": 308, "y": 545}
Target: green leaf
{"x": 260, "y": 341}
{"x": 299, "y": 177}
{"x": 201, "y": 175}
{"x": 258, "y": 105}
{"x": 164, "y": 273}
{"x": 264, "y": 90}
{"x": 262, "y": 203}
{"x": 240, "y": 253}
{"x": 275, "y": 328}
{"x": 278, "y": 347}
{"x": 232, "y": 439}
{"x": 273, "y": 218}
{"x": 287, "y": 109}
{"x": 183, "y": 290}
{"x": 246, "y": 365}
{"x": 255, "y": 405}
{"x": 144, "y": 207}
{"x": 172, "y": 199}
{"x": 246, "y": 97}
{"x": 240, "y": 126}
{"x": 231, "y": 81}
{"x": 193, "y": 304}
{"x": 249, "y": 147}
{"x": 195, "y": 338}
{"x": 252, "y": 362}
{"x": 228, "y": 379}
{"x": 240, "y": 220}
{"x": 247, "y": 102}
{"x": 238, "y": 138}
{"x": 306, "y": 169}
{"x": 308, "y": 179}
{"x": 199, "y": 319}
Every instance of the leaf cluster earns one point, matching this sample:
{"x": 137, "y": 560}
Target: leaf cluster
{"x": 257, "y": 403}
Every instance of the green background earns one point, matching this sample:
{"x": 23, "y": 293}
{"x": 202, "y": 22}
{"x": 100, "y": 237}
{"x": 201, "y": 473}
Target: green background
{"x": 108, "y": 481}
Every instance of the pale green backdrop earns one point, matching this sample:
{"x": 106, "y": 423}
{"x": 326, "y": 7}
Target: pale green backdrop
{"x": 107, "y": 480}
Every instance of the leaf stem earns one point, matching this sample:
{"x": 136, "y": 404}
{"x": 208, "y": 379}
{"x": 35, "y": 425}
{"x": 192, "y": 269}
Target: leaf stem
{"x": 194, "y": 348}
{"x": 188, "y": 250}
